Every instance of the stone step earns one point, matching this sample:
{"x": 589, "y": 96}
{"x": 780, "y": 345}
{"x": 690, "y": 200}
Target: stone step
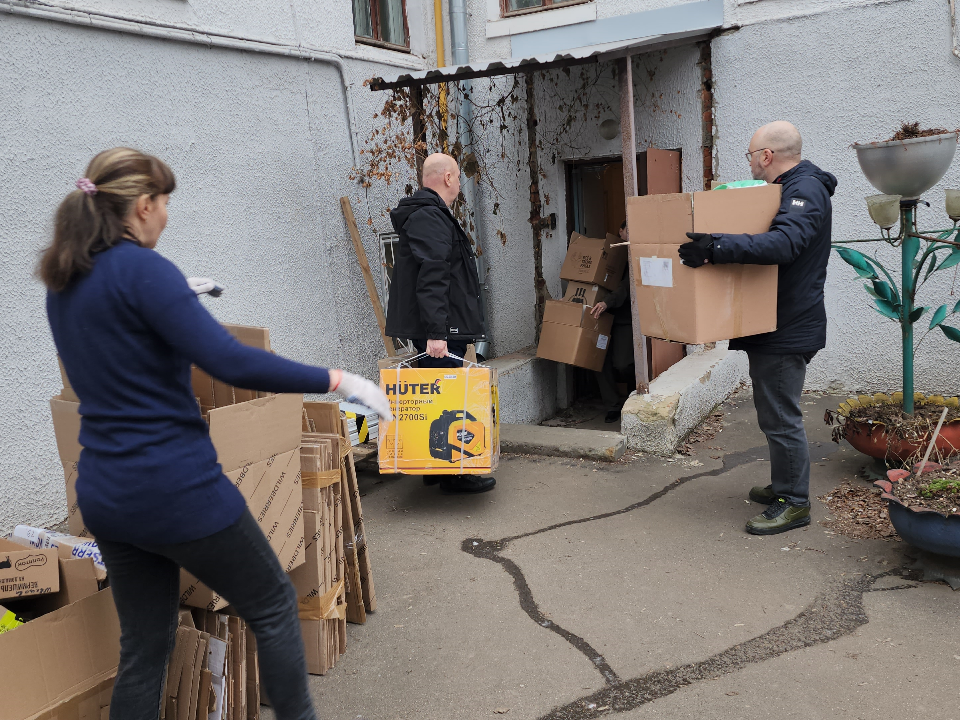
{"x": 562, "y": 442}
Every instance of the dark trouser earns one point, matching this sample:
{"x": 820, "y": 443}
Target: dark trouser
{"x": 455, "y": 348}
{"x": 619, "y": 357}
{"x": 777, "y": 384}
{"x": 237, "y": 563}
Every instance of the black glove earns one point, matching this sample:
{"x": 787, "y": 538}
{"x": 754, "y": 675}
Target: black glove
{"x": 699, "y": 251}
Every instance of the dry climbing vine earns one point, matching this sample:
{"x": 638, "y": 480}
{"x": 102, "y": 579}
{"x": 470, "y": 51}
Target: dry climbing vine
{"x": 576, "y": 98}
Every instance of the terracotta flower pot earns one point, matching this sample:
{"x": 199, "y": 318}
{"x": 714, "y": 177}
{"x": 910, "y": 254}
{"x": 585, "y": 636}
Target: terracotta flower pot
{"x": 872, "y": 440}
{"x": 924, "y": 529}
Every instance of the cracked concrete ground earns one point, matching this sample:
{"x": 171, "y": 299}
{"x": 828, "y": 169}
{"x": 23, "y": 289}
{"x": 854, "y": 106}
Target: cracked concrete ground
{"x": 579, "y": 589}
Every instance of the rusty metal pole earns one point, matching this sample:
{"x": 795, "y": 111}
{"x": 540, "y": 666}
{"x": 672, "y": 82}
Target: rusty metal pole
{"x": 628, "y": 138}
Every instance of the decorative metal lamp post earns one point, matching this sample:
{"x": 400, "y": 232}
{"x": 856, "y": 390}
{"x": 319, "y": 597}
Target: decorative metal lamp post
{"x": 903, "y": 170}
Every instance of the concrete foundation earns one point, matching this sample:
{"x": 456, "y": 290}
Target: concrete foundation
{"x": 680, "y": 398}
{"x": 527, "y": 386}
{"x": 562, "y": 442}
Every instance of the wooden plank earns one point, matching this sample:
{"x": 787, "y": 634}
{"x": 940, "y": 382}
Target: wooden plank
{"x": 367, "y": 274}
{"x": 628, "y": 135}
{"x": 360, "y": 534}
{"x": 351, "y": 581}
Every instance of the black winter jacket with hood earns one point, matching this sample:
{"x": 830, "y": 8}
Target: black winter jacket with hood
{"x": 435, "y": 290}
{"x": 799, "y": 242}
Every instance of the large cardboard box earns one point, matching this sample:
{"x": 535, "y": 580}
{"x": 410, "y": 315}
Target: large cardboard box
{"x": 27, "y": 571}
{"x": 61, "y": 665}
{"x": 709, "y": 303}
{"x": 594, "y": 261}
{"x": 67, "y": 546}
{"x": 571, "y": 335}
{"x": 446, "y": 421}
{"x": 258, "y": 446}
{"x": 588, "y": 294}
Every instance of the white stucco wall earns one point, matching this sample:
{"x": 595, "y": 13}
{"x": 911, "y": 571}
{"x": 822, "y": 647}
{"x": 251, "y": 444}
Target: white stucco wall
{"x": 845, "y": 76}
{"x": 260, "y": 148}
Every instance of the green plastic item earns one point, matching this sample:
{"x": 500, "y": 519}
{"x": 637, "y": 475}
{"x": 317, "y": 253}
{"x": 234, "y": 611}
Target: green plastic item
{"x": 740, "y": 184}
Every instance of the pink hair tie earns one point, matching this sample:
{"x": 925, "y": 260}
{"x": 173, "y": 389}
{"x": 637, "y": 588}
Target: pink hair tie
{"x": 87, "y": 186}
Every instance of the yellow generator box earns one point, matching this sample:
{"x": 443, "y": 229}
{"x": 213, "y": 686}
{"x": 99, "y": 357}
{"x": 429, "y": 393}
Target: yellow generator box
{"x": 446, "y": 421}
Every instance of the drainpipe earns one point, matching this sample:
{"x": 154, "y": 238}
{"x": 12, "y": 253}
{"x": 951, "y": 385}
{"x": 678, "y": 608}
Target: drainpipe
{"x": 461, "y": 56}
{"x": 180, "y": 33}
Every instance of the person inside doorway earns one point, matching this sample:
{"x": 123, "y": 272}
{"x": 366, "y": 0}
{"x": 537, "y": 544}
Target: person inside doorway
{"x": 618, "y": 366}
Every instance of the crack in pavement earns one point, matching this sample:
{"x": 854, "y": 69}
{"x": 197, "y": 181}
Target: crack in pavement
{"x": 493, "y": 549}
{"x": 836, "y": 612}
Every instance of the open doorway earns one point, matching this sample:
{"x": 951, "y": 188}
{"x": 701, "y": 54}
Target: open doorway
{"x": 596, "y": 206}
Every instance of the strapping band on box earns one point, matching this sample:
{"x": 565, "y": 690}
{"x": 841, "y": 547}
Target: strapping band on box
{"x": 324, "y": 607}
{"x": 318, "y": 480}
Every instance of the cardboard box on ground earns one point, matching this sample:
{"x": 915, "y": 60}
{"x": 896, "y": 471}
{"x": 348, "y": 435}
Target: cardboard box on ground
{"x": 713, "y": 302}
{"x": 257, "y": 438}
{"x": 61, "y": 663}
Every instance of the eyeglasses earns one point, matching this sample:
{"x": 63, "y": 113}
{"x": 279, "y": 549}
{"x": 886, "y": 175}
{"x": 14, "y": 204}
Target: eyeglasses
{"x": 749, "y": 154}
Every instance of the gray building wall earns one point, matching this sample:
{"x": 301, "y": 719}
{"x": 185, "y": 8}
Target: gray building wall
{"x": 260, "y": 147}
{"x": 846, "y": 75}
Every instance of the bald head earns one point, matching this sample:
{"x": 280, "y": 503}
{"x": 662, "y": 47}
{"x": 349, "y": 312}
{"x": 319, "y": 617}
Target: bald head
{"x": 442, "y": 175}
{"x": 775, "y": 148}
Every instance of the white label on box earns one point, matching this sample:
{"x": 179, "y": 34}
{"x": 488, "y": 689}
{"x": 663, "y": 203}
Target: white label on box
{"x": 656, "y": 272}
{"x": 602, "y": 341}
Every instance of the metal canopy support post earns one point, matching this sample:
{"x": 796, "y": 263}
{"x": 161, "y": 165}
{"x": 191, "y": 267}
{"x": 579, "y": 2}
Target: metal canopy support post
{"x": 628, "y": 138}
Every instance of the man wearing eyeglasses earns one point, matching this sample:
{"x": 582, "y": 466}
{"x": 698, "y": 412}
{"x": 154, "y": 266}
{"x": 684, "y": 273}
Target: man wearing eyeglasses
{"x": 799, "y": 243}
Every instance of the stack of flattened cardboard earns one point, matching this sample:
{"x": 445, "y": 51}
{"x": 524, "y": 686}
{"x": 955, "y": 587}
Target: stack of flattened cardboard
{"x": 327, "y": 453}
{"x": 213, "y": 673}
{"x": 319, "y": 582}
{"x": 257, "y": 438}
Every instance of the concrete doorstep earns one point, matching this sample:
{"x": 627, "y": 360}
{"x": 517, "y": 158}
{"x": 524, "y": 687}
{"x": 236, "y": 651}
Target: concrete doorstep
{"x": 562, "y": 442}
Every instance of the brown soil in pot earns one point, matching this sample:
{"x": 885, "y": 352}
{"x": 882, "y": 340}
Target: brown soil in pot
{"x": 918, "y": 426}
{"x": 944, "y": 497}
{"x": 908, "y": 131}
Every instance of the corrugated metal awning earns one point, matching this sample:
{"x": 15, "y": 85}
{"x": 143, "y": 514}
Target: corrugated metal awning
{"x": 576, "y": 56}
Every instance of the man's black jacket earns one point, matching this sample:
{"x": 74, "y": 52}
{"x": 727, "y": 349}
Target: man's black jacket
{"x": 799, "y": 242}
{"x": 435, "y": 291}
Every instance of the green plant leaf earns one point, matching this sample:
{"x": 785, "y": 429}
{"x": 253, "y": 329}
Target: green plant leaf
{"x": 932, "y": 266}
{"x": 871, "y": 292}
{"x": 888, "y": 309}
{"x": 951, "y": 332}
{"x": 956, "y": 308}
{"x": 952, "y": 259}
{"x": 884, "y": 291}
{"x": 938, "y": 316}
{"x": 858, "y": 262}
{"x": 918, "y": 313}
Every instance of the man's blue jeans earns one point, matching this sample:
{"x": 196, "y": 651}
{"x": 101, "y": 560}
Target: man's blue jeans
{"x": 237, "y": 563}
{"x": 777, "y": 384}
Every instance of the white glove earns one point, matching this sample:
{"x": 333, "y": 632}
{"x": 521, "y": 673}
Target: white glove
{"x": 203, "y": 285}
{"x": 363, "y": 392}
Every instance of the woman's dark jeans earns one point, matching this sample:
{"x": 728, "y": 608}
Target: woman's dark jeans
{"x": 236, "y": 563}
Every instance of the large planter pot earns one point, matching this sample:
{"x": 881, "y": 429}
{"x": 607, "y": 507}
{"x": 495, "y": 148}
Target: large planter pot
{"x": 907, "y": 167}
{"x": 874, "y": 440}
{"x": 924, "y": 529}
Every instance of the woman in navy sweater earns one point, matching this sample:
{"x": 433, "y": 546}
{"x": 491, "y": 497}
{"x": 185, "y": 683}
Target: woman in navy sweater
{"x": 127, "y": 326}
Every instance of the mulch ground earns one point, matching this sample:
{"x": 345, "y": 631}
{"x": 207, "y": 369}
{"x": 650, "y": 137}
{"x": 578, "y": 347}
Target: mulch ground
{"x": 706, "y": 430}
{"x": 857, "y": 511}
